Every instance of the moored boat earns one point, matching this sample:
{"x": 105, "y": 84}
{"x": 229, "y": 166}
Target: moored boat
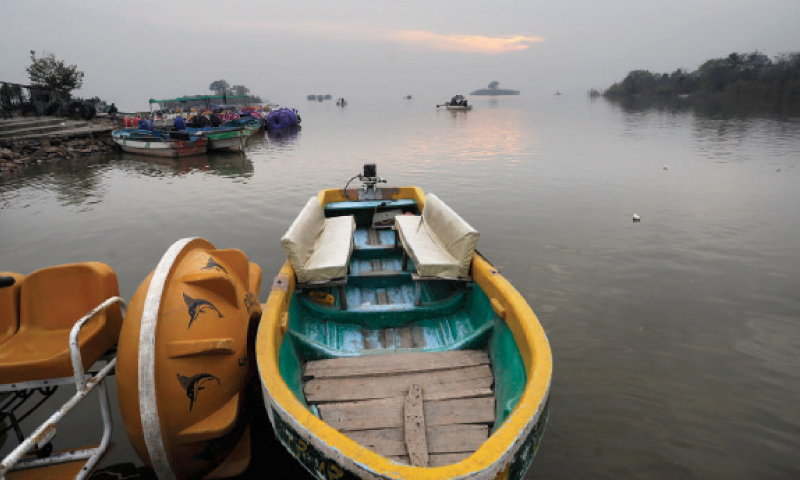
{"x": 396, "y": 350}
{"x": 159, "y": 143}
{"x": 458, "y": 102}
{"x": 459, "y": 107}
{"x": 233, "y": 138}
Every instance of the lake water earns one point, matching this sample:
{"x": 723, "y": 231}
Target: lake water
{"x": 676, "y": 339}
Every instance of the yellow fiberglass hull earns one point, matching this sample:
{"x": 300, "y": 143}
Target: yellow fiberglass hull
{"x": 328, "y": 453}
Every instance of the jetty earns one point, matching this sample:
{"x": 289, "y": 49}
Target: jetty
{"x": 33, "y": 140}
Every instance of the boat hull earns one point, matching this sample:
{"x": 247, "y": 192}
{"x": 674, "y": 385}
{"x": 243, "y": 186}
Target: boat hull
{"x": 459, "y": 107}
{"x": 229, "y": 141}
{"x": 327, "y": 453}
{"x": 231, "y": 144}
{"x": 326, "y": 461}
{"x": 170, "y": 149}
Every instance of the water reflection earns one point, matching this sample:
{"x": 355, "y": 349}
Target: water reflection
{"x": 284, "y": 137}
{"x": 723, "y": 130}
{"x": 677, "y": 334}
{"x": 711, "y": 107}
{"x": 476, "y": 136}
{"x": 233, "y": 164}
{"x": 75, "y": 182}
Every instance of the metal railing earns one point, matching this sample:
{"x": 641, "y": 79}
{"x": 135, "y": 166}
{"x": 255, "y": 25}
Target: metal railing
{"x": 46, "y": 431}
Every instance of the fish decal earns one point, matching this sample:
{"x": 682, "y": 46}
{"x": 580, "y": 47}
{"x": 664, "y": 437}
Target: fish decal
{"x": 194, "y": 384}
{"x": 197, "y": 306}
{"x": 250, "y": 301}
{"x": 213, "y": 264}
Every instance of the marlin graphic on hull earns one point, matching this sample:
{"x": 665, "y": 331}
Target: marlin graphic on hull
{"x": 197, "y": 306}
{"x": 213, "y": 264}
{"x": 194, "y": 384}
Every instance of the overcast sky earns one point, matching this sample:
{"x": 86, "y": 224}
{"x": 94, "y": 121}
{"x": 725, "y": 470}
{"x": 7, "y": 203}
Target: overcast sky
{"x": 283, "y": 51}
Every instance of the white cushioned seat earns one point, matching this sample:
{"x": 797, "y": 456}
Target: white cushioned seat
{"x": 319, "y": 248}
{"x": 440, "y": 242}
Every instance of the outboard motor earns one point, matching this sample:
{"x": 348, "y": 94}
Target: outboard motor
{"x": 369, "y": 179}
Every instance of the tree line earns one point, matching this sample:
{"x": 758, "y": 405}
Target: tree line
{"x": 739, "y": 74}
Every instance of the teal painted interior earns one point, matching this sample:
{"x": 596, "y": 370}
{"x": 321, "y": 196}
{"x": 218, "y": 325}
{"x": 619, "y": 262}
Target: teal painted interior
{"x": 363, "y": 211}
{"x": 453, "y": 315}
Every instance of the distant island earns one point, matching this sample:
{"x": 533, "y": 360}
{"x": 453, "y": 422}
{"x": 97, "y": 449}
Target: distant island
{"x": 493, "y": 90}
{"x": 744, "y": 75}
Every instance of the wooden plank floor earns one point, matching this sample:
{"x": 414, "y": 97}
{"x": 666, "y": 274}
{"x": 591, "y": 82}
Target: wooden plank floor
{"x": 366, "y": 398}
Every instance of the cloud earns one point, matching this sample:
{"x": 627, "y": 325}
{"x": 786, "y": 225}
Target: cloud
{"x": 463, "y": 43}
{"x": 359, "y": 32}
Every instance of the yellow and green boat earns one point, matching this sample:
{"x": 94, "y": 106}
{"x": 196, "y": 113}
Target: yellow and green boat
{"x": 390, "y": 348}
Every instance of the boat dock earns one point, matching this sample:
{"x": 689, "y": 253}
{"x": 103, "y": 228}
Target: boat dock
{"x": 27, "y": 141}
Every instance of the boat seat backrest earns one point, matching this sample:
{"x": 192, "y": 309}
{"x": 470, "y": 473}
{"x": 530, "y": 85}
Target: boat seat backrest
{"x": 9, "y": 306}
{"x": 452, "y": 232}
{"x": 55, "y": 298}
{"x": 299, "y": 240}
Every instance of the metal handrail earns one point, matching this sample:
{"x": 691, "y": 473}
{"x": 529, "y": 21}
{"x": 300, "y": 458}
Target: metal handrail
{"x": 46, "y": 431}
{"x": 74, "y": 346}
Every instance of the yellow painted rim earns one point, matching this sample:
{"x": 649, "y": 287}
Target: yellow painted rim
{"x": 496, "y": 452}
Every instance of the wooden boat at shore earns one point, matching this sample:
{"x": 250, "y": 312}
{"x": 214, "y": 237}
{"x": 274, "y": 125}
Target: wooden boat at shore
{"x": 223, "y": 138}
{"x": 159, "y": 143}
{"x": 390, "y": 348}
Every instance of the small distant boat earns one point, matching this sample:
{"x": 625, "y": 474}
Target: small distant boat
{"x": 459, "y": 107}
{"x": 341, "y": 102}
{"x": 160, "y": 143}
{"x": 458, "y": 102}
{"x": 394, "y": 349}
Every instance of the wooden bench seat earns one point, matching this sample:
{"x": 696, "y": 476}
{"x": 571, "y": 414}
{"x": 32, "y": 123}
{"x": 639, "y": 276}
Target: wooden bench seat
{"x": 421, "y": 408}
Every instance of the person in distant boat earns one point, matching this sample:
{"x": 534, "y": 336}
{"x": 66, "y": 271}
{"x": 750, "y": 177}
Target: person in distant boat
{"x": 215, "y": 121}
{"x": 180, "y": 125}
{"x": 112, "y": 112}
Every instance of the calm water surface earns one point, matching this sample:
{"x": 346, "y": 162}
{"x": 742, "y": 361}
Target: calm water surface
{"x": 675, "y": 339}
